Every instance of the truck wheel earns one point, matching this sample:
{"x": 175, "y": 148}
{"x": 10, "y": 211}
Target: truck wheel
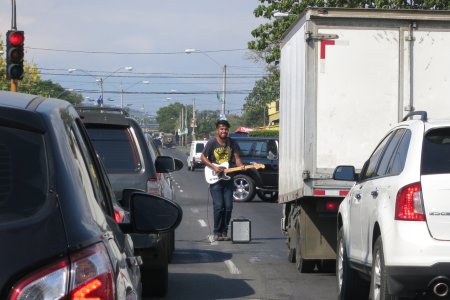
{"x": 244, "y": 188}
{"x": 267, "y": 196}
{"x": 303, "y": 265}
{"x": 349, "y": 283}
{"x": 378, "y": 286}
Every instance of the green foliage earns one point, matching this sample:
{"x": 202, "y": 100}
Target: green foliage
{"x": 265, "y": 91}
{"x": 264, "y": 133}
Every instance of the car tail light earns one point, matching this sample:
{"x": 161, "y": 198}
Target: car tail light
{"x": 409, "y": 205}
{"x": 119, "y": 214}
{"x": 153, "y": 186}
{"x": 88, "y": 276}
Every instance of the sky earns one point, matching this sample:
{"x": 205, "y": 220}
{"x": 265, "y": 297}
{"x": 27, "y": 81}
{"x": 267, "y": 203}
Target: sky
{"x": 100, "y": 38}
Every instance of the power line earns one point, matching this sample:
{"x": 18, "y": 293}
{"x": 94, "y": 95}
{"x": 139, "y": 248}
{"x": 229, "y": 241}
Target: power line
{"x": 128, "y": 53}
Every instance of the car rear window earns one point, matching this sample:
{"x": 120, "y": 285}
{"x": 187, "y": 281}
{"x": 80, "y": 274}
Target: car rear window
{"x": 117, "y": 149}
{"x": 23, "y": 174}
{"x": 199, "y": 147}
{"x": 245, "y": 148}
{"x": 436, "y": 152}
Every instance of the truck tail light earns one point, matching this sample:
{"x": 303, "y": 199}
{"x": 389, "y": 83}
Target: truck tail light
{"x": 153, "y": 187}
{"x": 90, "y": 274}
{"x": 409, "y": 204}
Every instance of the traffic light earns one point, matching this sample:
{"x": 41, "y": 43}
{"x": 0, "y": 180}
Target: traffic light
{"x": 14, "y": 54}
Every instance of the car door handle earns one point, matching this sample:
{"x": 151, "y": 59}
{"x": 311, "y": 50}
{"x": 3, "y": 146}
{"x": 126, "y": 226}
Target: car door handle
{"x": 374, "y": 193}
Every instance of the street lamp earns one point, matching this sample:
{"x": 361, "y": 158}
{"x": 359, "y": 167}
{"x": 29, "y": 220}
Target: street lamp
{"x": 122, "y": 90}
{"x": 224, "y": 84}
{"x": 279, "y": 15}
{"x": 100, "y": 80}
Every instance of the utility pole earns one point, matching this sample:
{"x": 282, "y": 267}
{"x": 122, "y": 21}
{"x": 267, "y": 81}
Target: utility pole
{"x": 224, "y": 91}
{"x": 194, "y": 123}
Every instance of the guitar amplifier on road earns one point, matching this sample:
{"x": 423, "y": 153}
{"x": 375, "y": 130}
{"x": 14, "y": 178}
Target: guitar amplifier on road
{"x": 240, "y": 230}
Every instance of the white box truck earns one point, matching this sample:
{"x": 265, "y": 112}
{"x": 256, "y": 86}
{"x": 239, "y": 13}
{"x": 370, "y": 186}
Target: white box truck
{"x": 347, "y": 76}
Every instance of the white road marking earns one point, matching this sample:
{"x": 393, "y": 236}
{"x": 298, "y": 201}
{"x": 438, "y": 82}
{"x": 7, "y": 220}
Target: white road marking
{"x": 232, "y": 267}
{"x": 202, "y": 223}
{"x": 181, "y": 191}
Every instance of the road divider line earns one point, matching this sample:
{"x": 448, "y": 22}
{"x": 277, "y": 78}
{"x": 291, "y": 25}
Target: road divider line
{"x": 202, "y": 223}
{"x": 232, "y": 267}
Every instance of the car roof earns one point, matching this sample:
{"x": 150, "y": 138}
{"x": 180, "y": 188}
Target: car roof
{"x": 254, "y": 138}
{"x": 16, "y": 100}
{"x": 103, "y": 115}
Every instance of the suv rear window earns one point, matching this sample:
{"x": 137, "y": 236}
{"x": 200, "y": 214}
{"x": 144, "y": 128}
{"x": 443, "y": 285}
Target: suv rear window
{"x": 23, "y": 173}
{"x": 436, "y": 152}
{"x": 117, "y": 149}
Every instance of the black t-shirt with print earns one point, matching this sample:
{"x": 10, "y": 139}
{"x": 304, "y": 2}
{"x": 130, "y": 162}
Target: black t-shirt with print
{"x": 218, "y": 154}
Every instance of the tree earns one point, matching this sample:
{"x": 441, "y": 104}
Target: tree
{"x": 169, "y": 117}
{"x": 265, "y": 91}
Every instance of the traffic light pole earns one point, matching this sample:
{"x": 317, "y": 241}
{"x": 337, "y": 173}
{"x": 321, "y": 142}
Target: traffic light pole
{"x": 13, "y": 85}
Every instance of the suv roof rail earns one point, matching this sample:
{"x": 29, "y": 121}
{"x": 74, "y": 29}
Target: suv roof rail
{"x": 423, "y": 115}
{"x": 102, "y": 109}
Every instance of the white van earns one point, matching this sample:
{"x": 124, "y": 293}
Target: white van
{"x": 193, "y": 159}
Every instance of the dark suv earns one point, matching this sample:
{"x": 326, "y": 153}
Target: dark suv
{"x": 130, "y": 163}
{"x": 262, "y": 181}
{"x": 57, "y": 229}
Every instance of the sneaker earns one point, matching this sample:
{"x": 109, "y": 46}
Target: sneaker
{"x": 217, "y": 237}
{"x": 225, "y": 237}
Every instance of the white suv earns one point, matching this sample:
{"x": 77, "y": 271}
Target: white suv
{"x": 394, "y": 225}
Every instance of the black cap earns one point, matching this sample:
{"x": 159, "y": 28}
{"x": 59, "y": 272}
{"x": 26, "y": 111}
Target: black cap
{"x": 222, "y": 122}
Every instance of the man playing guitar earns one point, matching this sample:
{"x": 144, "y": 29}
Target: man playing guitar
{"x": 218, "y": 150}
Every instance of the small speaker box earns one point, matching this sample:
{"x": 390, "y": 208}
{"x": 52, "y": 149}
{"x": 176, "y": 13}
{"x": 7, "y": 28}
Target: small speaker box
{"x": 240, "y": 230}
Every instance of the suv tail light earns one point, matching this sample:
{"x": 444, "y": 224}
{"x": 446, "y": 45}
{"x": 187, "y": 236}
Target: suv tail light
{"x": 153, "y": 187}
{"x": 88, "y": 276}
{"x": 409, "y": 205}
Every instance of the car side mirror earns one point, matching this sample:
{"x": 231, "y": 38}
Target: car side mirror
{"x": 344, "y": 173}
{"x": 178, "y": 164}
{"x": 165, "y": 164}
{"x": 153, "y": 214}
{"x": 126, "y": 196}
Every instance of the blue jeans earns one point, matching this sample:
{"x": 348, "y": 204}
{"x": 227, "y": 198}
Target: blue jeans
{"x": 222, "y": 195}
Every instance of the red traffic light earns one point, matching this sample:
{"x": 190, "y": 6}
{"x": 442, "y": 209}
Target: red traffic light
{"x": 16, "y": 38}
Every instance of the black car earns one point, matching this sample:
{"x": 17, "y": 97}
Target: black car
{"x": 260, "y": 181}
{"x": 57, "y": 229}
{"x": 131, "y": 162}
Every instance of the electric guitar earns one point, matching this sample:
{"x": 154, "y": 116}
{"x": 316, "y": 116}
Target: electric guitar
{"x": 212, "y": 177}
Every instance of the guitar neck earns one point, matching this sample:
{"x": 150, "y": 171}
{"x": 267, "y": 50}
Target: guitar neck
{"x": 229, "y": 170}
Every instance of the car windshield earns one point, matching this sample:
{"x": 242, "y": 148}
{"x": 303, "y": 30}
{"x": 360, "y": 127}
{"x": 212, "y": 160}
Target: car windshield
{"x": 436, "y": 152}
{"x": 23, "y": 173}
{"x": 116, "y": 148}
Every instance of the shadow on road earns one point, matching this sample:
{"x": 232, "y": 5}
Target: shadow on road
{"x": 196, "y": 256}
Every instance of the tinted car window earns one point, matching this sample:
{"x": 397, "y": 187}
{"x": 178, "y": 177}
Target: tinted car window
{"x": 23, "y": 173}
{"x": 373, "y": 160}
{"x": 115, "y": 149}
{"x": 261, "y": 149}
{"x": 387, "y": 155}
{"x": 436, "y": 152}
{"x": 245, "y": 148}
{"x": 199, "y": 147}
{"x": 400, "y": 155}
